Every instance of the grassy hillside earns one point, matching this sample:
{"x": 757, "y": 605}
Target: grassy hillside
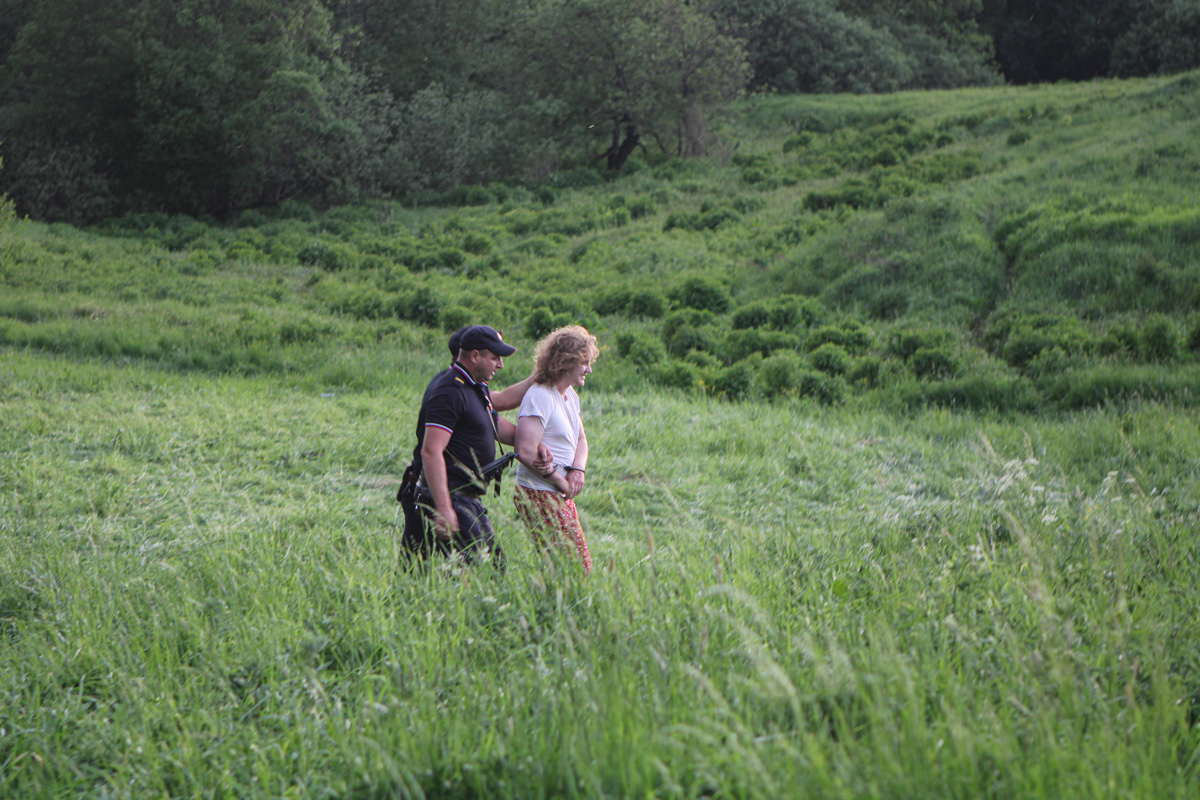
{"x": 826, "y": 565}
{"x": 1039, "y": 245}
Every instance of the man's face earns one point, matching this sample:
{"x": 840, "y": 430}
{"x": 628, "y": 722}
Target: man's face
{"x": 484, "y": 364}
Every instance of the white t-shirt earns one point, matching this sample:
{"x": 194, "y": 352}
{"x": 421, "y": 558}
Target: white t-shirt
{"x": 561, "y": 426}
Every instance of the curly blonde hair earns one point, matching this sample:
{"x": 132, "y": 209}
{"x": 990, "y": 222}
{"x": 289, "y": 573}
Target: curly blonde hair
{"x": 561, "y": 351}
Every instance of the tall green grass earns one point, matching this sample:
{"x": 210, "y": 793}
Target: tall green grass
{"x": 201, "y": 596}
{"x": 893, "y": 483}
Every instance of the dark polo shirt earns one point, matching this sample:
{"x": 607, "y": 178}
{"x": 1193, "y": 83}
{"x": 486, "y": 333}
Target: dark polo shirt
{"x": 456, "y": 403}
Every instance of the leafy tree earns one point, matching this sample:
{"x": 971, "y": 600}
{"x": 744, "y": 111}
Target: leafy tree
{"x": 859, "y": 45}
{"x": 409, "y": 45}
{"x": 626, "y": 71}
{"x": 195, "y": 106}
{"x": 1164, "y": 37}
{"x": 1049, "y": 40}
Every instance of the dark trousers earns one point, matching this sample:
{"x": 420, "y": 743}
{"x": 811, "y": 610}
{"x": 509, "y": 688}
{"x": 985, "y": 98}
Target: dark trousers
{"x": 474, "y": 537}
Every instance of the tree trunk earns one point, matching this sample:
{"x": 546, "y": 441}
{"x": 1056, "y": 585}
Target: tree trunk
{"x": 622, "y": 150}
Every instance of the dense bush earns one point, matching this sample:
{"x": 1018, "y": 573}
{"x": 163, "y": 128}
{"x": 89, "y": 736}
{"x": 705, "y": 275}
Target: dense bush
{"x": 907, "y": 341}
{"x": 1100, "y": 386}
{"x": 1163, "y": 37}
{"x": 1159, "y": 339}
{"x": 1193, "y": 337}
{"x": 780, "y": 314}
{"x": 830, "y": 359}
{"x": 673, "y": 374}
{"x": 740, "y": 344}
{"x": 780, "y": 375}
{"x": 1019, "y": 338}
{"x": 852, "y": 336}
{"x": 978, "y": 393}
{"x": 737, "y": 380}
{"x": 643, "y": 350}
{"x": 646, "y": 304}
{"x": 934, "y": 363}
{"x": 1122, "y": 339}
{"x": 542, "y": 320}
{"x": 828, "y": 390}
{"x": 866, "y": 372}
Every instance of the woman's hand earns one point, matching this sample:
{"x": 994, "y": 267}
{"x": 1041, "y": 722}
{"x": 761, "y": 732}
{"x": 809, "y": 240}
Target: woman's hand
{"x": 575, "y": 479}
{"x": 560, "y": 482}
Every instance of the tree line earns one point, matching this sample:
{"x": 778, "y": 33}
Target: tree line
{"x": 208, "y": 107}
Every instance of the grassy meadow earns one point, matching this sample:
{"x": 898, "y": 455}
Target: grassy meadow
{"x": 893, "y": 489}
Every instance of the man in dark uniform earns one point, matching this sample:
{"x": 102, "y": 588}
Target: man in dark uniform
{"x": 457, "y": 429}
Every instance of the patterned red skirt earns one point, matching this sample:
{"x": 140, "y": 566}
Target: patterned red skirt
{"x": 553, "y": 521}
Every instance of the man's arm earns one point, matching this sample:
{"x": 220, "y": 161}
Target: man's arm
{"x": 511, "y": 397}
{"x": 445, "y": 520}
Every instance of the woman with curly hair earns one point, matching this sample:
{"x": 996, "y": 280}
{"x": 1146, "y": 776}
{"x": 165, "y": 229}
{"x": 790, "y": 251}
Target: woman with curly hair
{"x": 549, "y": 415}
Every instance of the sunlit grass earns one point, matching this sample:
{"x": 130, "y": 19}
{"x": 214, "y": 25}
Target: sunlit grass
{"x": 201, "y": 597}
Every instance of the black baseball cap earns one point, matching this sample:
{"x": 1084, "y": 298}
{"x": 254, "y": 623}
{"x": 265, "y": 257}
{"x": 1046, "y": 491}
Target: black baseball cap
{"x": 481, "y": 337}
{"x": 455, "y": 338}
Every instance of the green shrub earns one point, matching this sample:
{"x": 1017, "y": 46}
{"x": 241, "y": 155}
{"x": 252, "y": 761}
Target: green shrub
{"x": 686, "y": 338}
{"x": 1018, "y": 137}
{"x": 740, "y": 344}
{"x": 1104, "y": 385}
{"x": 252, "y": 218}
{"x": 467, "y": 196}
{"x": 830, "y": 359}
{"x": 828, "y": 390}
{"x": 1051, "y": 362}
{"x": 798, "y": 141}
{"x": 357, "y": 300}
{"x": 709, "y": 219}
{"x": 701, "y": 294}
{"x": 735, "y": 381}
{"x": 1160, "y": 339}
{"x": 851, "y": 336}
{"x": 1020, "y": 338}
{"x": 1122, "y": 339}
{"x": 454, "y": 317}
{"x": 780, "y": 375}
{"x": 613, "y": 301}
{"x": 702, "y": 358}
{"x": 329, "y": 256}
{"x": 907, "y": 341}
{"x": 934, "y": 363}
{"x": 673, "y": 374}
{"x": 866, "y": 371}
{"x": 477, "y": 243}
{"x": 640, "y": 349}
{"x": 578, "y": 178}
{"x": 542, "y": 320}
{"x": 686, "y": 318}
{"x": 1193, "y": 337}
{"x": 421, "y": 305}
{"x": 295, "y": 209}
{"x": 977, "y": 393}
{"x": 304, "y": 330}
{"x": 539, "y": 246}
{"x": 647, "y": 305}
{"x": 641, "y": 207}
{"x": 754, "y": 315}
{"x": 782, "y": 314}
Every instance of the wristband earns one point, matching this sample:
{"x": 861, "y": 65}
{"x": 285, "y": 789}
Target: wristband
{"x": 575, "y": 469}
